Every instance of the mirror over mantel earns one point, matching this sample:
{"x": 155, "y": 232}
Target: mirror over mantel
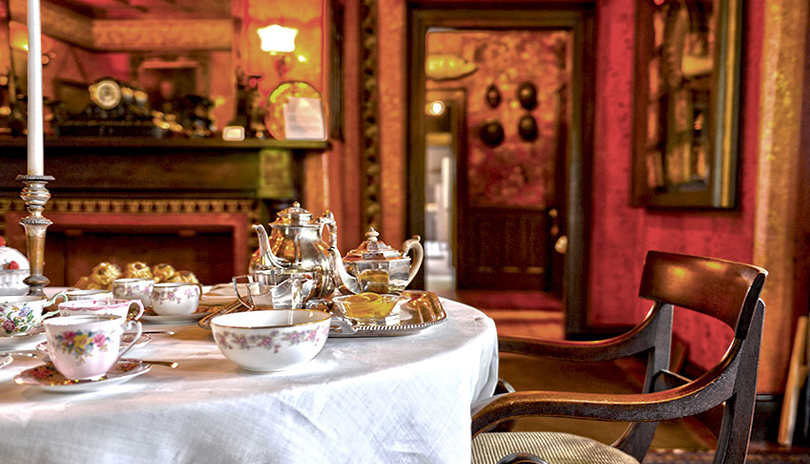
{"x": 170, "y": 49}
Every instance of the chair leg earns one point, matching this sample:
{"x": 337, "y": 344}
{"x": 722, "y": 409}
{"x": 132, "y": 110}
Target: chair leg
{"x": 503, "y": 387}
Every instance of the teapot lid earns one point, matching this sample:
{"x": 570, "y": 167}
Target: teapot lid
{"x": 373, "y": 249}
{"x": 294, "y": 215}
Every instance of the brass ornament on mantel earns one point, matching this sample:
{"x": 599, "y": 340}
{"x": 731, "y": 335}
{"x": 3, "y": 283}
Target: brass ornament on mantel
{"x": 445, "y": 67}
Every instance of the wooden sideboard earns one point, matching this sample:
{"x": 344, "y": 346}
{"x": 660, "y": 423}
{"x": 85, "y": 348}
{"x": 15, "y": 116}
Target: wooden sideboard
{"x": 185, "y": 202}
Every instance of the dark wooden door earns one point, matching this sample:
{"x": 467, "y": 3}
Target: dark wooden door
{"x": 487, "y": 237}
{"x": 503, "y": 249}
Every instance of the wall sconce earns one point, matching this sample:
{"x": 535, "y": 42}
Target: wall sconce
{"x": 280, "y": 42}
{"x": 19, "y": 41}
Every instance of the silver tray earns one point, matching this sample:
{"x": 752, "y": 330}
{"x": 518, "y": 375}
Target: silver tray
{"x": 419, "y": 310}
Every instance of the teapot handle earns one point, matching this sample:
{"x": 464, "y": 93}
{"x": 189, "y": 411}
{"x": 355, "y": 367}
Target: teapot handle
{"x": 328, "y": 219}
{"x": 418, "y": 255}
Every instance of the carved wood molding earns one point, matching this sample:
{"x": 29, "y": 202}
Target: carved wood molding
{"x": 99, "y": 206}
{"x": 369, "y": 114}
{"x": 176, "y": 34}
{"x": 121, "y": 35}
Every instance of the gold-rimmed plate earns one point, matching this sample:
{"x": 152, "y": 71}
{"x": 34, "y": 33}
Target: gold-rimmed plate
{"x": 46, "y": 377}
{"x": 274, "y": 119}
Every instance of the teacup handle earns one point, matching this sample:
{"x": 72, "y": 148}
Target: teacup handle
{"x": 131, "y": 314}
{"x": 54, "y": 301}
{"x": 136, "y": 336}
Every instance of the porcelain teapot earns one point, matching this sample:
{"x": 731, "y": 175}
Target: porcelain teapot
{"x": 376, "y": 267}
{"x": 297, "y": 244}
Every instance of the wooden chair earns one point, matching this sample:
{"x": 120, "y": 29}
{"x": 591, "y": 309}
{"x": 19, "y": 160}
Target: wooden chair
{"x": 724, "y": 290}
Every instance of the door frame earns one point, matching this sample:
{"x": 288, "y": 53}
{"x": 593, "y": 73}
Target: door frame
{"x": 580, "y": 19}
{"x": 458, "y": 99}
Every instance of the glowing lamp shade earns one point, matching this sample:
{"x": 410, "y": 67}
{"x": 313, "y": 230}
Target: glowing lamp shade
{"x": 277, "y": 39}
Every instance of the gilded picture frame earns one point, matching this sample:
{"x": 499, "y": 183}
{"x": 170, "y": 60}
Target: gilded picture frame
{"x": 686, "y": 102}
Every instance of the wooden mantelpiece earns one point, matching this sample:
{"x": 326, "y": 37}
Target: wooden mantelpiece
{"x": 186, "y": 202}
{"x": 265, "y": 169}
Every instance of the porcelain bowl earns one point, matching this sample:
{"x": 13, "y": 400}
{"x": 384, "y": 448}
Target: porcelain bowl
{"x": 11, "y": 282}
{"x": 273, "y": 339}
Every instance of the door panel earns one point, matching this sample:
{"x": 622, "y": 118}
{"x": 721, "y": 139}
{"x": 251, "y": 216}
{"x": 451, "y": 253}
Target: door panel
{"x": 504, "y": 249}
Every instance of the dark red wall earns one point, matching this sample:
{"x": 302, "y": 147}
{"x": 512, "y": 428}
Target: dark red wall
{"x": 620, "y": 234}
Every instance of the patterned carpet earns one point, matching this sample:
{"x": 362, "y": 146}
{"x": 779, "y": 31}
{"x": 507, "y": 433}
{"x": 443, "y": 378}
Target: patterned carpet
{"x": 701, "y": 457}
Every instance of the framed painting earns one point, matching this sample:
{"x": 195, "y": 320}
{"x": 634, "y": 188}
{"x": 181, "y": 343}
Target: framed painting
{"x": 686, "y": 103}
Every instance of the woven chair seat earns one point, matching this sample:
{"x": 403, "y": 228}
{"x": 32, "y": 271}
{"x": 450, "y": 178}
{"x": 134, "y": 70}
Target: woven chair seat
{"x": 554, "y": 447}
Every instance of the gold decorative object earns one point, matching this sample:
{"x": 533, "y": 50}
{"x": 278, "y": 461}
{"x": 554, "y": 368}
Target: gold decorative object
{"x": 163, "y": 272}
{"x": 137, "y": 270}
{"x": 104, "y": 273}
{"x": 444, "y": 67}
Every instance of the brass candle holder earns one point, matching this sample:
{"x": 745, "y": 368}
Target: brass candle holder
{"x": 35, "y": 195}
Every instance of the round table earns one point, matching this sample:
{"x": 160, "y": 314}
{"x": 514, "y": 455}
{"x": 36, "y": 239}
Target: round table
{"x": 403, "y": 399}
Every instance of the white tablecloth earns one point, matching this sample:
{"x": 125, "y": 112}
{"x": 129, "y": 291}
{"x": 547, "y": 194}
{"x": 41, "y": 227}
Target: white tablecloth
{"x": 379, "y": 400}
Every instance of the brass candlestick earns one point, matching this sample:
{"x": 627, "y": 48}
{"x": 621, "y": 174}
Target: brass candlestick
{"x": 35, "y": 195}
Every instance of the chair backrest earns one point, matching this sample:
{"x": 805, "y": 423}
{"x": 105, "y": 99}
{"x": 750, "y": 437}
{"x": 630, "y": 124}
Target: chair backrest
{"x": 724, "y": 290}
{"x": 727, "y": 291}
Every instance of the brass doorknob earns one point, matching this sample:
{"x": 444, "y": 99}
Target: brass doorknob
{"x": 561, "y": 246}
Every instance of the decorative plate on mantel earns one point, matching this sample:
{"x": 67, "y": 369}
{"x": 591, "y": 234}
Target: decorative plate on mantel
{"x": 274, "y": 118}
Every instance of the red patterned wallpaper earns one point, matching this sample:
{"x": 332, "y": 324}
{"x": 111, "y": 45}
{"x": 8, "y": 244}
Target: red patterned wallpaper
{"x": 518, "y": 172}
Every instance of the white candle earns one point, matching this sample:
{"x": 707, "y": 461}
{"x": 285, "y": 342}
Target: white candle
{"x": 36, "y": 144}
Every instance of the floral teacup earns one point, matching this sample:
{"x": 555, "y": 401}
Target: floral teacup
{"x": 125, "y": 309}
{"x": 20, "y": 314}
{"x": 175, "y": 299}
{"x": 86, "y": 347}
{"x": 128, "y": 289}
{"x": 91, "y": 294}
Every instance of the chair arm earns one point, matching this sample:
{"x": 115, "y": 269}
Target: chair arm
{"x": 687, "y": 400}
{"x": 600, "y": 350}
{"x": 653, "y": 331}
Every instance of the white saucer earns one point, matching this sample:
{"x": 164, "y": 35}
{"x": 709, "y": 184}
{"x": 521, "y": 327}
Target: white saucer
{"x": 5, "y": 361}
{"x": 46, "y": 376}
{"x": 126, "y": 338}
{"x": 36, "y": 334}
{"x": 178, "y": 319}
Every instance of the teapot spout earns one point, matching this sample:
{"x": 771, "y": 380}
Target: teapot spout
{"x": 265, "y": 258}
{"x": 344, "y": 281}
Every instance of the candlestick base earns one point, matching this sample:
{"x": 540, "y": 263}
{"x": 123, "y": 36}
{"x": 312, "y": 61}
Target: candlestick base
{"x": 35, "y": 195}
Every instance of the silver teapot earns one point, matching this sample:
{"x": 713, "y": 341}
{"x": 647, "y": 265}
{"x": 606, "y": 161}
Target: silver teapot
{"x": 297, "y": 244}
{"x": 376, "y": 267}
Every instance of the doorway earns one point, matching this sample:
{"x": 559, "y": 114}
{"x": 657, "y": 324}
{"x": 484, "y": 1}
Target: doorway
{"x": 445, "y": 142}
{"x": 514, "y": 240}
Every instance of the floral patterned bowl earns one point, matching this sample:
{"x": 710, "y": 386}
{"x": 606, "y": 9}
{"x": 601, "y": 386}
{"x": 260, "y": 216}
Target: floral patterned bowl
{"x": 271, "y": 340}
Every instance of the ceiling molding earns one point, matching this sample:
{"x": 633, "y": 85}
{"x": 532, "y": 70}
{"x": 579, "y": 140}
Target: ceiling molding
{"x": 182, "y": 34}
{"x": 126, "y": 35}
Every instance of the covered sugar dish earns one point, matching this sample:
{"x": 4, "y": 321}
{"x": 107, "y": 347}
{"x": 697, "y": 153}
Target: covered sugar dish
{"x": 379, "y": 268}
